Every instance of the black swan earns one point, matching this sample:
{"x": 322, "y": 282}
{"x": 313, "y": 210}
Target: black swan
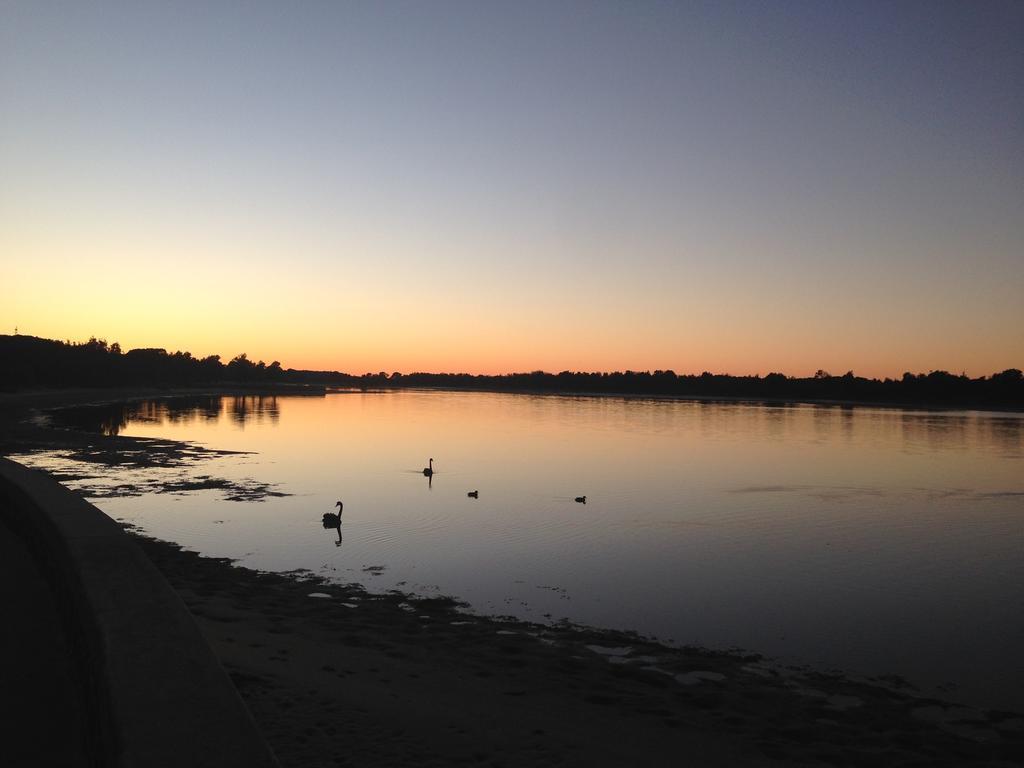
{"x": 332, "y": 520}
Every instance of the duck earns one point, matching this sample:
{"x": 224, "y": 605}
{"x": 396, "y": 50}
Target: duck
{"x": 581, "y": 499}
{"x": 332, "y": 520}
{"x": 428, "y": 471}
{"x": 474, "y": 494}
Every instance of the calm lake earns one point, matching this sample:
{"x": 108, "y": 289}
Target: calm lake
{"x": 875, "y": 541}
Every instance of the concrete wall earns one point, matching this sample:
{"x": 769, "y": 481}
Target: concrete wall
{"x": 157, "y": 696}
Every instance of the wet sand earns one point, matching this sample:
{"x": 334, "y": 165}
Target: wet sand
{"x": 338, "y": 676}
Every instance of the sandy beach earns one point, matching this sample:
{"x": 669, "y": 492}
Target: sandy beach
{"x": 335, "y": 675}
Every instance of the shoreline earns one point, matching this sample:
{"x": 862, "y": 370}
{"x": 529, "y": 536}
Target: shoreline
{"x": 379, "y": 662}
{"x": 25, "y": 428}
{"x": 439, "y": 681}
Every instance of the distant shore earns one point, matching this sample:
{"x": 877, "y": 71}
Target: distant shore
{"x": 32, "y": 362}
{"x": 336, "y": 675}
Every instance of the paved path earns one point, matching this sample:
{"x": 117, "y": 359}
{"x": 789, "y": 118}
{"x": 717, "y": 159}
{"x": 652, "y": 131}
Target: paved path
{"x": 155, "y": 696}
{"x": 40, "y": 706}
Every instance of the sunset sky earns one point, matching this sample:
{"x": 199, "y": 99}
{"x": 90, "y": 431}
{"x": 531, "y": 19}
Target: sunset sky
{"x": 489, "y": 187}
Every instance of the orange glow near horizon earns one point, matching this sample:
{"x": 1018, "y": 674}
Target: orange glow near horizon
{"x": 504, "y": 322}
{"x": 390, "y": 312}
{"x": 409, "y": 304}
{"x": 380, "y": 353}
{"x": 501, "y": 324}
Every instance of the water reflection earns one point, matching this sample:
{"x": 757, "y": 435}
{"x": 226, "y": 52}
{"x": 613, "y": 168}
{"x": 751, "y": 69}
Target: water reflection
{"x": 939, "y": 431}
{"x": 336, "y": 526}
{"x": 936, "y": 431}
{"x": 253, "y": 407}
{"x": 112, "y": 419}
{"x": 1006, "y": 433}
{"x": 332, "y": 520}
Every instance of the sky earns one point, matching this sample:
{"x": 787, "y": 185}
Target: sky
{"x": 492, "y": 187}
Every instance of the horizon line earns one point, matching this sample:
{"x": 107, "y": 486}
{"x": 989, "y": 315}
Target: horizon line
{"x": 820, "y": 373}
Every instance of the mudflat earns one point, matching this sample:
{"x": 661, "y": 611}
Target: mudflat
{"x": 335, "y": 675}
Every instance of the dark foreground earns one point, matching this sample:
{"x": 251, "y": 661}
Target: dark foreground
{"x": 37, "y": 675}
{"x": 351, "y": 678}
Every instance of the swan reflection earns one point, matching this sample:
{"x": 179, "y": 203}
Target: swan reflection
{"x": 331, "y": 520}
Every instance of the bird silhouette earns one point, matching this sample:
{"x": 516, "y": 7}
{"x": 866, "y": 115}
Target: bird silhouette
{"x": 332, "y": 520}
{"x": 581, "y": 499}
{"x": 474, "y": 494}
{"x": 428, "y": 471}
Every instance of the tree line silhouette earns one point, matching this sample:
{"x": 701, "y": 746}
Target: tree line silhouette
{"x": 31, "y": 362}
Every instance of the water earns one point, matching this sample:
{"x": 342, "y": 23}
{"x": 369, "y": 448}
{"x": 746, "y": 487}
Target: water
{"x": 875, "y": 541}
